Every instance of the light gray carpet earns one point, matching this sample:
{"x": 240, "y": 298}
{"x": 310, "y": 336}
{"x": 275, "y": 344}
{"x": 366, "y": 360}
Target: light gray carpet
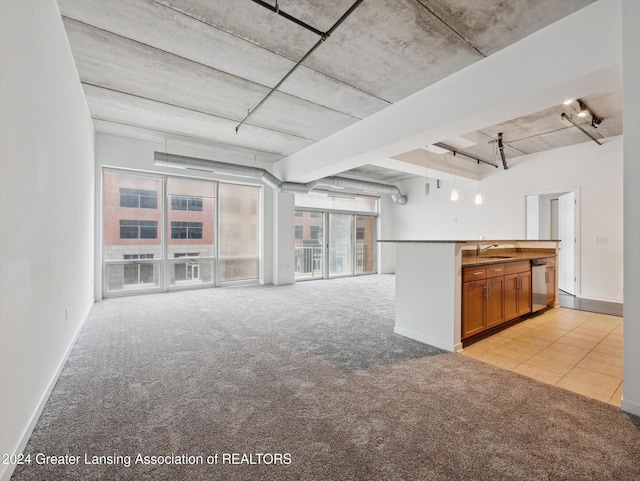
{"x": 313, "y": 371}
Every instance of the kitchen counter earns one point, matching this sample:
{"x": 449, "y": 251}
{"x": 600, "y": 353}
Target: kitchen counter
{"x": 429, "y": 279}
{"x": 472, "y": 260}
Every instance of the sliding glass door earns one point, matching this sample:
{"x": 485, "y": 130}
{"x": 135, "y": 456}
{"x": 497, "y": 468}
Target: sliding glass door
{"x": 329, "y": 244}
{"x": 340, "y": 245}
{"x": 365, "y": 244}
{"x": 309, "y": 250}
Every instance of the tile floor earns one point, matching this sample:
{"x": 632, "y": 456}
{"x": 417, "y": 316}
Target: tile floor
{"x": 575, "y": 350}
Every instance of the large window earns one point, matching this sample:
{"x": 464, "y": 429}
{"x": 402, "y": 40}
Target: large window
{"x": 191, "y": 232}
{"x": 160, "y": 232}
{"x": 239, "y": 242}
{"x": 132, "y": 249}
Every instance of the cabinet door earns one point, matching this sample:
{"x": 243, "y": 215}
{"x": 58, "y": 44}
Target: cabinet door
{"x": 494, "y": 302}
{"x": 551, "y": 285}
{"x": 511, "y": 297}
{"x": 524, "y": 293}
{"x": 472, "y": 308}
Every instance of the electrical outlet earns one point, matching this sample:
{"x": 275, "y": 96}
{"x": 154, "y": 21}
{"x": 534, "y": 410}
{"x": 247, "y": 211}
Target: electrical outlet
{"x": 602, "y": 240}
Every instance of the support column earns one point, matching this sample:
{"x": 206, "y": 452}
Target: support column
{"x": 283, "y": 239}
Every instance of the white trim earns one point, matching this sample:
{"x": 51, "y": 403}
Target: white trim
{"x": 26, "y": 435}
{"x": 416, "y": 336}
{"x": 630, "y": 407}
{"x": 577, "y": 259}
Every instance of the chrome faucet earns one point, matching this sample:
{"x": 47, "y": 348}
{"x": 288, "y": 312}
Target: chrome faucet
{"x": 480, "y": 250}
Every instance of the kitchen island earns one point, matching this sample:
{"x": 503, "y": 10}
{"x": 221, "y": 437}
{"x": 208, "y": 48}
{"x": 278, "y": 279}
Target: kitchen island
{"x": 429, "y": 282}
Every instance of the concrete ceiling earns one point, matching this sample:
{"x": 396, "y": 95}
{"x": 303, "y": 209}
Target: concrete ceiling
{"x": 547, "y": 130}
{"x": 190, "y": 70}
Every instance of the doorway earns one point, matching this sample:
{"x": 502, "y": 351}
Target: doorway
{"x": 555, "y": 215}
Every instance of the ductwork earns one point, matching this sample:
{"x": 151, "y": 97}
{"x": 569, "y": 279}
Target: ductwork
{"x": 163, "y": 159}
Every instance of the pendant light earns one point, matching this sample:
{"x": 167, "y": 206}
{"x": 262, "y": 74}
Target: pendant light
{"x": 454, "y": 191}
{"x": 478, "y": 194}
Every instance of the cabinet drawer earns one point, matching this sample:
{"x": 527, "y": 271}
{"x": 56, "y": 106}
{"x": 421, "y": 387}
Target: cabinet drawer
{"x": 517, "y": 267}
{"x": 473, "y": 274}
{"x": 551, "y": 261}
{"x": 495, "y": 270}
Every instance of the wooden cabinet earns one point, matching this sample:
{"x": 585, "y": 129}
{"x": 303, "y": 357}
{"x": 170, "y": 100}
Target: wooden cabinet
{"x": 494, "y": 294}
{"x": 494, "y": 302}
{"x": 550, "y": 280}
{"x": 517, "y": 290}
{"x": 473, "y": 308}
{"x": 482, "y": 299}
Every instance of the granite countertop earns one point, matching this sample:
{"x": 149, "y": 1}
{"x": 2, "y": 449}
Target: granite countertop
{"x": 496, "y": 257}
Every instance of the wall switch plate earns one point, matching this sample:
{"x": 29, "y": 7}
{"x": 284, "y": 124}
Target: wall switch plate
{"x": 602, "y": 240}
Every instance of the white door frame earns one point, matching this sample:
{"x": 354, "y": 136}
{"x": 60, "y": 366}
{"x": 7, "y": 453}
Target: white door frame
{"x": 577, "y": 253}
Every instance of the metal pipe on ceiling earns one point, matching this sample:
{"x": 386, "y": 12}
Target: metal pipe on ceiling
{"x": 275, "y": 9}
{"x": 566, "y": 117}
{"x": 458, "y": 152}
{"x": 501, "y": 149}
{"x": 323, "y": 37}
{"x": 165, "y": 159}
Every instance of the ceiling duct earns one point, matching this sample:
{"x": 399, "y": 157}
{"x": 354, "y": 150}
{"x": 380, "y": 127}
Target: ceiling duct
{"x": 164, "y": 159}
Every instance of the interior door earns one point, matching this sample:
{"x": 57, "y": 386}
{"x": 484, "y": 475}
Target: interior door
{"x": 567, "y": 248}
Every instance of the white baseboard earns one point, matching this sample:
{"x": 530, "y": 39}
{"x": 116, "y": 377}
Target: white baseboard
{"x": 6, "y": 470}
{"x": 425, "y": 339}
{"x": 630, "y": 406}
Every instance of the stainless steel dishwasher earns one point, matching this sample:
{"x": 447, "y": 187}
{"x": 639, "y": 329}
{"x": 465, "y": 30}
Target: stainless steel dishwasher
{"x": 538, "y": 284}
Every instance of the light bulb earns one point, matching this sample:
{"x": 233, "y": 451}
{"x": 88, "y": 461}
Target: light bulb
{"x": 454, "y": 194}
{"x": 568, "y": 101}
{"x": 478, "y": 198}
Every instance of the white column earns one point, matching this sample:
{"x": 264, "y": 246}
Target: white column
{"x": 283, "y": 239}
{"x": 631, "y": 121}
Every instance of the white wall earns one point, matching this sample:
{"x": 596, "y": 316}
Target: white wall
{"x": 46, "y": 212}
{"x": 595, "y": 170}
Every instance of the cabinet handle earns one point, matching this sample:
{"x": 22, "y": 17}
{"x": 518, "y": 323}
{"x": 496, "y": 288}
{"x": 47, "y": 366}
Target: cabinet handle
{"x": 488, "y": 291}
{"x": 496, "y": 270}
{"x": 477, "y": 273}
{"x": 519, "y": 284}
